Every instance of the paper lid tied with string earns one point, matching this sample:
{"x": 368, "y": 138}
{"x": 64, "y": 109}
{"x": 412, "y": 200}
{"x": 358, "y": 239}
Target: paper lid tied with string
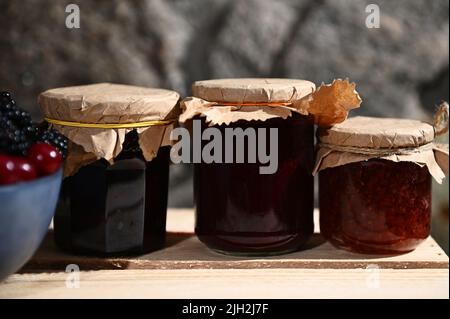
{"x": 400, "y": 140}
{"x": 224, "y": 101}
{"x": 95, "y": 118}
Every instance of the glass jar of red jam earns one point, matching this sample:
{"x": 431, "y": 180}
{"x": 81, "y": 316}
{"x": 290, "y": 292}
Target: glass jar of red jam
{"x": 239, "y": 210}
{"x": 114, "y": 195}
{"x": 375, "y": 206}
{"x": 375, "y": 184}
{"x": 115, "y": 209}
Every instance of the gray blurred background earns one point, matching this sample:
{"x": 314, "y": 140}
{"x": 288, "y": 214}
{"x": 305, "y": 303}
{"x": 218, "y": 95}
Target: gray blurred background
{"x": 401, "y": 68}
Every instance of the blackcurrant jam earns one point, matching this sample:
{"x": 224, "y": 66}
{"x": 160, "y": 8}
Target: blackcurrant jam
{"x": 115, "y": 209}
{"x": 240, "y": 211}
{"x": 375, "y": 206}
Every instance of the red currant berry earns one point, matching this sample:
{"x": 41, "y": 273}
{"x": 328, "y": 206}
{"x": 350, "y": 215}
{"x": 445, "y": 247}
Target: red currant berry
{"x": 15, "y": 169}
{"x": 45, "y": 157}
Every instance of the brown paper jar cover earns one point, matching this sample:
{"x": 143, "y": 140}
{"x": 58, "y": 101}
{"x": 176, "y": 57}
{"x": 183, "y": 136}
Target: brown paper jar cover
{"x": 107, "y": 103}
{"x": 223, "y": 101}
{"x": 400, "y": 140}
{"x": 245, "y": 90}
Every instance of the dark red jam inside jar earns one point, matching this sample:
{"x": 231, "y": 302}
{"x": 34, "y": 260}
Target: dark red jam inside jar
{"x": 240, "y": 211}
{"x": 115, "y": 209}
{"x": 376, "y": 206}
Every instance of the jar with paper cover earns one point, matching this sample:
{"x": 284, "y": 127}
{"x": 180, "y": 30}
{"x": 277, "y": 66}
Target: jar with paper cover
{"x": 253, "y": 183}
{"x": 114, "y": 195}
{"x": 375, "y": 182}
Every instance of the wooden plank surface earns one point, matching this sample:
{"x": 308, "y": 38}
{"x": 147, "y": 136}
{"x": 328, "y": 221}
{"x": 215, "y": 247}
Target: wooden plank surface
{"x": 187, "y": 269}
{"x": 185, "y": 251}
{"x": 234, "y": 283}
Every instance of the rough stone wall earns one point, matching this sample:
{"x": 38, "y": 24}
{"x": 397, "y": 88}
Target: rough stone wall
{"x": 402, "y": 68}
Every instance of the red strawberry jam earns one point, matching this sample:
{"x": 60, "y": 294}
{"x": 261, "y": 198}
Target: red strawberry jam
{"x": 375, "y": 206}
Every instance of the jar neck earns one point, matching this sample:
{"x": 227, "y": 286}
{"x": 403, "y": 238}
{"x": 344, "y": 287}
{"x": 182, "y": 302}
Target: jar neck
{"x": 378, "y": 151}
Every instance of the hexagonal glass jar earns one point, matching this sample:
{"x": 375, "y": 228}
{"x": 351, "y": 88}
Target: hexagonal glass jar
{"x": 115, "y": 209}
{"x": 114, "y": 195}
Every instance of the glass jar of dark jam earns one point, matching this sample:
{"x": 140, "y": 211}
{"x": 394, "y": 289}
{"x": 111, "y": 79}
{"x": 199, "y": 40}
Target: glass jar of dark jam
{"x": 240, "y": 211}
{"x": 375, "y": 206}
{"x": 115, "y": 209}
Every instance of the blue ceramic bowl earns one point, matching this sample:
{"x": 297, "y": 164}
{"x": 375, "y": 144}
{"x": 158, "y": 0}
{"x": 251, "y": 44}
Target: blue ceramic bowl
{"x": 26, "y": 210}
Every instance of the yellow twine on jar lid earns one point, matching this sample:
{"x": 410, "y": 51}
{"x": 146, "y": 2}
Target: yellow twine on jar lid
{"x": 109, "y": 125}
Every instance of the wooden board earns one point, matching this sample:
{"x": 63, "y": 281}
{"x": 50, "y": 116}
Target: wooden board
{"x": 187, "y": 269}
{"x": 233, "y": 283}
{"x": 185, "y": 251}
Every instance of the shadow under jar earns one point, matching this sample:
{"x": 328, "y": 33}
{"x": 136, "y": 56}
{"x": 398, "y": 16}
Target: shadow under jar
{"x": 115, "y": 209}
{"x": 374, "y": 198}
{"x": 241, "y": 211}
